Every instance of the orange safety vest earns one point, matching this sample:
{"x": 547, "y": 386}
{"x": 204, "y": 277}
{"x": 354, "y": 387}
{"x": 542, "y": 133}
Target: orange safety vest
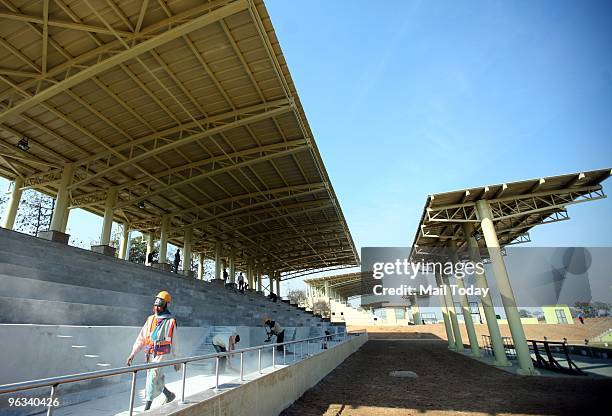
{"x": 160, "y": 347}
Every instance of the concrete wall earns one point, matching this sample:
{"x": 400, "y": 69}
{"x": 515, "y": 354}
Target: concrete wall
{"x": 271, "y": 393}
{"x": 550, "y": 316}
{"x": 41, "y": 351}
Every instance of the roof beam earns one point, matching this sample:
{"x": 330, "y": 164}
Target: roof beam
{"x": 178, "y": 142}
{"x": 208, "y": 174}
{"x": 60, "y": 23}
{"x": 147, "y": 45}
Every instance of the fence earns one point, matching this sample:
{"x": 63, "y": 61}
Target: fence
{"x": 55, "y": 382}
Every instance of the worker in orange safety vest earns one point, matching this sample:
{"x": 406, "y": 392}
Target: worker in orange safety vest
{"x": 158, "y": 339}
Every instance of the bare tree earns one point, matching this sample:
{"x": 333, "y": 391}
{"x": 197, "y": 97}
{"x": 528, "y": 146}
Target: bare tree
{"x": 322, "y": 308}
{"x": 298, "y": 296}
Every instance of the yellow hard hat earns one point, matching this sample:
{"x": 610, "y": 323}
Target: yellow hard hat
{"x": 265, "y": 319}
{"x": 165, "y": 296}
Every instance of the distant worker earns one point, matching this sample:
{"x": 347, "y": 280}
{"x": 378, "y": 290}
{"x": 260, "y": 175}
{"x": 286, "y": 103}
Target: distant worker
{"x": 151, "y": 258}
{"x": 177, "y": 260}
{"x": 241, "y": 282}
{"x": 273, "y": 297}
{"x": 225, "y": 343}
{"x": 273, "y": 328}
{"x": 326, "y": 339}
{"x": 157, "y": 337}
{"x": 581, "y": 318}
{"x": 225, "y": 275}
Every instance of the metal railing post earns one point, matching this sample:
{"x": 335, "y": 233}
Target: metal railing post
{"x": 217, "y": 373}
{"x": 184, "y": 382}
{"x": 259, "y": 360}
{"x": 51, "y": 399}
{"x": 242, "y": 366}
{"x": 284, "y": 355}
{"x": 273, "y": 357}
{"x": 133, "y": 392}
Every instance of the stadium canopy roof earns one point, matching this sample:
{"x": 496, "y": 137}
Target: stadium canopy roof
{"x": 517, "y": 207}
{"x": 346, "y": 285}
{"x": 186, "y": 108}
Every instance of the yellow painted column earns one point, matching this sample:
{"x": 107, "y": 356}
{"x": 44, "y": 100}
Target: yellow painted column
{"x": 201, "y": 266}
{"x": 250, "y": 277}
{"x": 163, "y": 239}
{"x": 465, "y": 304}
{"x": 452, "y": 311}
{"x": 497, "y": 344}
{"x": 503, "y": 283}
{"x": 258, "y": 274}
{"x": 416, "y": 312}
{"x": 65, "y": 220}
{"x": 150, "y": 246}
{"x": 61, "y": 201}
{"x": 107, "y": 223}
{"x": 11, "y": 210}
{"x": 123, "y": 244}
{"x": 218, "y": 270}
{"x": 278, "y": 283}
{"x": 232, "y": 267}
{"x": 446, "y": 316}
{"x": 187, "y": 250}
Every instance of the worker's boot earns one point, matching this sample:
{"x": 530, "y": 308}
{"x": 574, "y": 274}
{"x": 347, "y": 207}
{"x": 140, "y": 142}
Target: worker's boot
{"x": 148, "y": 405}
{"x": 169, "y": 395}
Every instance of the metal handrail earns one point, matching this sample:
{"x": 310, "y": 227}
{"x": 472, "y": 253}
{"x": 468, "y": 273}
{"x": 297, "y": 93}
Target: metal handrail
{"x": 54, "y": 382}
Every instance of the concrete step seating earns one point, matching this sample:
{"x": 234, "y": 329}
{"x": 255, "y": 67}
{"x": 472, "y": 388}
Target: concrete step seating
{"x": 45, "y": 282}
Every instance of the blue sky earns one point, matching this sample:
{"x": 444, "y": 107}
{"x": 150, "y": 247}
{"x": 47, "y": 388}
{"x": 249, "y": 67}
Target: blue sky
{"x": 408, "y": 98}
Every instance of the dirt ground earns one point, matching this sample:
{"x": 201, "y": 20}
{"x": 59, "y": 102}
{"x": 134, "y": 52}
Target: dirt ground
{"x": 447, "y": 383}
{"x": 575, "y": 333}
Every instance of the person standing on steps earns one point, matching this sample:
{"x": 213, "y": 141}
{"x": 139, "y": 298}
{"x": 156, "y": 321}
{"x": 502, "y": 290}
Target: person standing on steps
{"x": 241, "y": 282}
{"x": 177, "y": 260}
{"x": 158, "y": 339}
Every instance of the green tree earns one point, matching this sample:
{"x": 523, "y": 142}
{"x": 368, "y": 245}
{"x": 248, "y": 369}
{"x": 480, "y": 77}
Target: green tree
{"x": 34, "y": 213}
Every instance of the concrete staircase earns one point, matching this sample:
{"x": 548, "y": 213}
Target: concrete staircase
{"x": 44, "y": 282}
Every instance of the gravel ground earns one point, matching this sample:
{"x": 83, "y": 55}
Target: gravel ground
{"x": 447, "y": 383}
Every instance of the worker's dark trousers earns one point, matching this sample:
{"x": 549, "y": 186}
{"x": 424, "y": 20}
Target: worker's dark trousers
{"x": 279, "y": 339}
{"x": 222, "y": 360}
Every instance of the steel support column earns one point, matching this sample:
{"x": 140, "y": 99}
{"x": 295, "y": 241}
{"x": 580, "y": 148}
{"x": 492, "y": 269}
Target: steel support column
{"x": 107, "y": 223}
{"x": 278, "y": 284}
{"x": 188, "y": 237}
{"x": 503, "y": 283}
{"x": 150, "y": 246}
{"x": 123, "y": 243}
{"x": 201, "y": 266}
{"x": 465, "y": 304}
{"x": 487, "y": 303}
{"x": 61, "y": 201}
{"x": 446, "y": 315}
{"x": 232, "y": 267}
{"x": 163, "y": 239}
{"x": 13, "y": 205}
{"x": 218, "y": 248}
